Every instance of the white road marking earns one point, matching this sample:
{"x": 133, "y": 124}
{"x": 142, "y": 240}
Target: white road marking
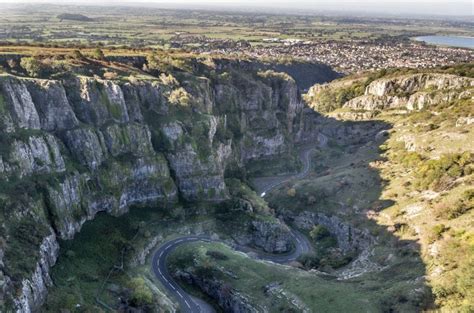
{"x": 173, "y": 287}
{"x": 179, "y": 293}
{"x": 185, "y": 301}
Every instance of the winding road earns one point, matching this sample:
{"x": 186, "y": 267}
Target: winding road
{"x": 190, "y": 304}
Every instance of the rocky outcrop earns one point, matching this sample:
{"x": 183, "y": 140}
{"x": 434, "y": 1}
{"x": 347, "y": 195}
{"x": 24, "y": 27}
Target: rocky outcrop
{"x": 417, "y": 82}
{"x": 17, "y": 101}
{"x": 35, "y": 155}
{"x": 34, "y": 289}
{"x": 52, "y": 105}
{"x": 97, "y": 102}
{"x": 229, "y": 299}
{"x": 412, "y": 92}
{"x": 87, "y": 146}
{"x": 199, "y": 170}
{"x": 349, "y": 238}
{"x": 271, "y": 236}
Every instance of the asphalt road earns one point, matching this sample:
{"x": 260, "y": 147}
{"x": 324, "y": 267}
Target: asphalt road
{"x": 190, "y": 304}
{"x": 274, "y": 182}
{"x": 187, "y": 303}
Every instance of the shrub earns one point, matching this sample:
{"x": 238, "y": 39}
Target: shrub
{"x": 439, "y": 174}
{"x": 410, "y": 159}
{"x": 319, "y": 232}
{"x": 153, "y": 62}
{"x": 309, "y": 260}
{"x": 180, "y": 97}
{"x": 168, "y": 80}
{"x": 12, "y": 64}
{"x": 269, "y": 74}
{"x": 33, "y": 66}
{"x": 141, "y": 293}
{"x": 436, "y": 232}
{"x": 291, "y": 192}
{"x": 460, "y": 207}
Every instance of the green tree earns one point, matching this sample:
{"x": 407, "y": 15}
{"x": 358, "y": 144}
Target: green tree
{"x": 32, "y": 66}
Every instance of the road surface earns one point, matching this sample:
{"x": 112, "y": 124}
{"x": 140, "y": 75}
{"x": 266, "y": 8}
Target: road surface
{"x": 270, "y": 183}
{"x": 190, "y": 304}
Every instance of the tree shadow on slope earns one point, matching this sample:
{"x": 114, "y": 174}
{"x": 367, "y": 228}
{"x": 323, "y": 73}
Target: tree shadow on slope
{"x": 344, "y": 196}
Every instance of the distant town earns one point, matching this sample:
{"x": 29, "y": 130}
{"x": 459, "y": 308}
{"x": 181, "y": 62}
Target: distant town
{"x": 346, "y": 57}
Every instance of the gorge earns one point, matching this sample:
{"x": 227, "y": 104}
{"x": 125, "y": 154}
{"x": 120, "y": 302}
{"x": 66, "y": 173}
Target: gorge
{"x": 123, "y": 156}
{"x": 77, "y": 146}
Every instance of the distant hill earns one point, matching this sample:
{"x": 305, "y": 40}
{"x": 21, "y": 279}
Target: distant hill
{"x": 74, "y": 17}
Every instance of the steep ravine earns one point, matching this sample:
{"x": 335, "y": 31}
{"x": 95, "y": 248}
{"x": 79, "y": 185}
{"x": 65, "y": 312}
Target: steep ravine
{"x": 74, "y": 147}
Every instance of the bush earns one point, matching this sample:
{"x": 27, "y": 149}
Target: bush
{"x": 454, "y": 210}
{"x": 169, "y": 80}
{"x": 439, "y": 174}
{"x": 180, "y": 97}
{"x": 33, "y": 66}
{"x": 141, "y": 293}
{"x": 410, "y": 159}
{"x": 12, "y": 64}
{"x": 436, "y": 232}
{"x": 291, "y": 192}
{"x": 309, "y": 260}
{"x": 319, "y": 232}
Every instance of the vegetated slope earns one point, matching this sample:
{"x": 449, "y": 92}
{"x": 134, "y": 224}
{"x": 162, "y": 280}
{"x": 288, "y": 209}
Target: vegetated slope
{"x": 428, "y": 166}
{"x": 80, "y": 144}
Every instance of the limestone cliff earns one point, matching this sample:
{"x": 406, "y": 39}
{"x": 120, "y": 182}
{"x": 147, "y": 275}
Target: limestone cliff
{"x": 364, "y": 96}
{"x": 76, "y": 146}
{"x": 412, "y": 92}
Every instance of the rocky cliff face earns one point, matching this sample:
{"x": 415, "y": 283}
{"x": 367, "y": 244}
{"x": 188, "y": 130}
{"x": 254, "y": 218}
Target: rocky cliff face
{"x": 72, "y": 148}
{"x": 270, "y": 236}
{"x": 412, "y": 92}
{"x": 229, "y": 299}
{"x": 349, "y": 239}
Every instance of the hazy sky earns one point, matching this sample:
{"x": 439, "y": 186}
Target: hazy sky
{"x": 428, "y": 7}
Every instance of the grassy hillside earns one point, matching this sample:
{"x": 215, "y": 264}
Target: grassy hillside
{"x": 427, "y": 167}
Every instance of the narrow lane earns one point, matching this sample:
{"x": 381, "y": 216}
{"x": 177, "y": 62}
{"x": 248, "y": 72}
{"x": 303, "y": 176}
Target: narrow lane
{"x": 190, "y": 304}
